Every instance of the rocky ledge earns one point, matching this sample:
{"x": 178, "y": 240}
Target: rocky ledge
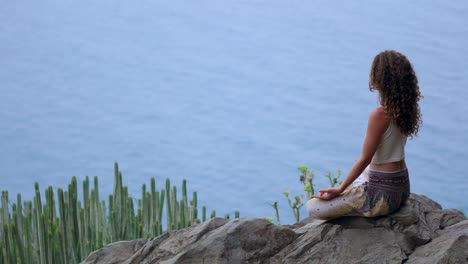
{"x": 420, "y": 232}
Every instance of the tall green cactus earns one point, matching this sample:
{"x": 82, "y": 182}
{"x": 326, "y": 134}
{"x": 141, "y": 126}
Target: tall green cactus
{"x": 153, "y": 208}
{"x": 18, "y": 219}
{"x": 40, "y": 228}
{"x": 1, "y": 249}
{"x": 194, "y": 206}
{"x": 169, "y": 206}
{"x": 63, "y": 224}
{"x": 9, "y": 254}
{"x": 203, "y": 213}
{"x": 236, "y": 214}
{"x": 65, "y": 229}
{"x": 161, "y": 206}
{"x": 5, "y": 213}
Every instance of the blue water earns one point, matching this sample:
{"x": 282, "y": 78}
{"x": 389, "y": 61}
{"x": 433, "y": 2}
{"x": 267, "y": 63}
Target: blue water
{"x": 231, "y": 95}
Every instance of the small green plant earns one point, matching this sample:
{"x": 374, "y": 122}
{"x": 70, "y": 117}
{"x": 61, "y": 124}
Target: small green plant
{"x": 332, "y": 178}
{"x": 275, "y": 206}
{"x": 295, "y": 206}
{"x": 306, "y": 177}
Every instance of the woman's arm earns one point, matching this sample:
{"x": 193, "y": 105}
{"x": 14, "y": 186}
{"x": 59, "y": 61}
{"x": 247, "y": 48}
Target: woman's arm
{"x": 377, "y": 124}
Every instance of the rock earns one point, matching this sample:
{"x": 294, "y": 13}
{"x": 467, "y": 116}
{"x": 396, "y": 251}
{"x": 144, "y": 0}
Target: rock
{"x": 450, "y": 247}
{"x": 116, "y": 252}
{"x": 420, "y": 232}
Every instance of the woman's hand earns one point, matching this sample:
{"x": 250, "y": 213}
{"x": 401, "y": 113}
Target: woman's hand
{"x": 328, "y": 194}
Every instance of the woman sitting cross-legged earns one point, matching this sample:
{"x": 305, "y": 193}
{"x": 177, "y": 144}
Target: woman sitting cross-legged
{"x": 383, "y": 183}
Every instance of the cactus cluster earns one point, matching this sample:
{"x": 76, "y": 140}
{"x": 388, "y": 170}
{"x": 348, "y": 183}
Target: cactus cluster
{"x": 66, "y": 229}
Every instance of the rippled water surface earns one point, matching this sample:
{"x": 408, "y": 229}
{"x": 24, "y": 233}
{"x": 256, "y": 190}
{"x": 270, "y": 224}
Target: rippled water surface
{"x": 232, "y": 95}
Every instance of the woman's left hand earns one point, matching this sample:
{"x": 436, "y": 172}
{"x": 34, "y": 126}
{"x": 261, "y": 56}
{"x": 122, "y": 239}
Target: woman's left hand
{"x": 328, "y": 194}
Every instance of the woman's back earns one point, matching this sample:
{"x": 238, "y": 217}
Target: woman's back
{"x": 391, "y": 147}
{"x": 382, "y": 163}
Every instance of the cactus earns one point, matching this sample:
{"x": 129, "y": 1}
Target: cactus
{"x": 168, "y": 206}
{"x": 203, "y": 213}
{"x": 161, "y": 205}
{"x": 182, "y": 215}
{"x": 1, "y": 249}
{"x": 5, "y": 214}
{"x": 193, "y": 207}
{"x": 9, "y": 255}
{"x": 65, "y": 229}
{"x": 175, "y": 208}
{"x": 154, "y": 204}
{"x": 39, "y": 225}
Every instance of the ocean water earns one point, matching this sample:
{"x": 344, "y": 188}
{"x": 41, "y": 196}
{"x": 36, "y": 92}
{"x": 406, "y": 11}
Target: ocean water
{"x": 231, "y": 95}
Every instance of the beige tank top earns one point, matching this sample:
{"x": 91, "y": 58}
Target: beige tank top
{"x": 391, "y": 147}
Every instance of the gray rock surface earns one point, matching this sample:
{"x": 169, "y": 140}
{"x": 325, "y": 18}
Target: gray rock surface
{"x": 420, "y": 232}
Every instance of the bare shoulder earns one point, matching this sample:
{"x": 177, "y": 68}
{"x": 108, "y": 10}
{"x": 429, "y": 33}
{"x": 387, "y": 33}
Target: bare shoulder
{"x": 378, "y": 113}
{"x": 379, "y": 117}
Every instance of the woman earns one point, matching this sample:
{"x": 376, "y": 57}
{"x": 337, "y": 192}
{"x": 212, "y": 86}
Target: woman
{"x": 384, "y": 184}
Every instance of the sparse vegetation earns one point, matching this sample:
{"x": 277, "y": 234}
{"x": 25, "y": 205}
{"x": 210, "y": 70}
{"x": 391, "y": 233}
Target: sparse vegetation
{"x": 307, "y": 179}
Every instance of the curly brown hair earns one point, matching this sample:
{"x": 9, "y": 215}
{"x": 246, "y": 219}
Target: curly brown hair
{"x": 393, "y": 76}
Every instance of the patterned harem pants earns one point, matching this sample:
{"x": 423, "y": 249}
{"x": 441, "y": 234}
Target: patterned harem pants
{"x": 373, "y": 193}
